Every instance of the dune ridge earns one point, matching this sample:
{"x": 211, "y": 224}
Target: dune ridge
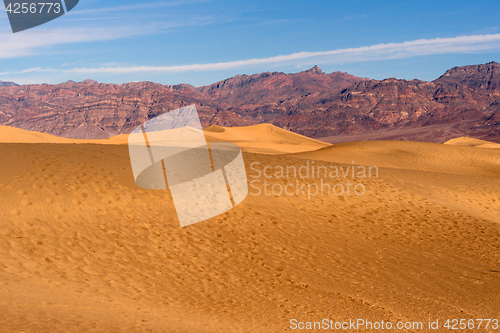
{"x": 471, "y": 142}
{"x": 264, "y": 138}
{"x": 17, "y": 135}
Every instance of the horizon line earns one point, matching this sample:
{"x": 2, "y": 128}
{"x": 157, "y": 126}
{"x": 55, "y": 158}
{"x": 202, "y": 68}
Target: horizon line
{"x": 272, "y": 72}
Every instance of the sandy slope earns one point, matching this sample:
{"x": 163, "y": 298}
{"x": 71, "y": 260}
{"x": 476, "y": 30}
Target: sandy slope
{"x": 421, "y": 156}
{"x": 465, "y": 141}
{"x": 82, "y": 249}
{"x": 17, "y": 135}
{"x": 264, "y": 138}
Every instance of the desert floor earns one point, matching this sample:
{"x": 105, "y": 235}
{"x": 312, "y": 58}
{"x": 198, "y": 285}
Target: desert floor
{"x": 83, "y": 249}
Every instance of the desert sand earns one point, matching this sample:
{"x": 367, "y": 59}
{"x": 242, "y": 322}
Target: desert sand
{"x": 465, "y": 141}
{"x": 17, "y": 135}
{"x": 83, "y": 249}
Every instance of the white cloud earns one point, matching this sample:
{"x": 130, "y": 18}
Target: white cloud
{"x": 29, "y": 43}
{"x": 420, "y": 47}
{"x": 36, "y": 69}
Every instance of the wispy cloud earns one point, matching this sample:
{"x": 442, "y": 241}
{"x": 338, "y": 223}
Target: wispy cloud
{"x": 408, "y": 49}
{"x": 28, "y": 43}
{"x": 421, "y": 47}
{"x": 23, "y": 44}
{"x": 37, "y": 70}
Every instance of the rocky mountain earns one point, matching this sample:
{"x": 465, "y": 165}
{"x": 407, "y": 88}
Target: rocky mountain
{"x": 92, "y": 109}
{"x": 97, "y": 108}
{"x": 465, "y": 101}
{"x": 7, "y": 84}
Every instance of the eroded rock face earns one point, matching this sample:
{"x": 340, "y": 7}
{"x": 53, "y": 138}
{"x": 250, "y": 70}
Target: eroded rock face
{"x": 63, "y": 108}
{"x": 311, "y": 103}
{"x": 109, "y": 108}
{"x": 463, "y": 98}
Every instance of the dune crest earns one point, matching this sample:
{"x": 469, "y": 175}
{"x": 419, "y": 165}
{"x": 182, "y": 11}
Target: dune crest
{"x": 471, "y": 142}
{"x": 17, "y": 135}
{"x": 264, "y": 138}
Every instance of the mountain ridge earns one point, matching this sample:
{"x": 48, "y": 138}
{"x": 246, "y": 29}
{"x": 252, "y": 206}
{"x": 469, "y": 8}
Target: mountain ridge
{"x": 464, "y": 101}
{"x": 7, "y": 84}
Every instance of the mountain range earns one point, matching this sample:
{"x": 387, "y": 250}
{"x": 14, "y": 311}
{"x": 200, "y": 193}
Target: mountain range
{"x": 336, "y": 107}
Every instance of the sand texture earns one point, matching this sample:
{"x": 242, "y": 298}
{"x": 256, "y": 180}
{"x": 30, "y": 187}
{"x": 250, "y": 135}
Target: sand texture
{"x": 83, "y": 249}
{"x": 465, "y": 141}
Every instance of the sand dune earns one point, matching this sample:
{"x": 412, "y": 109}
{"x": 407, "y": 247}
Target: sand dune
{"x": 17, "y": 135}
{"x": 421, "y": 156}
{"x": 264, "y": 138}
{"x": 465, "y": 141}
{"x": 83, "y": 249}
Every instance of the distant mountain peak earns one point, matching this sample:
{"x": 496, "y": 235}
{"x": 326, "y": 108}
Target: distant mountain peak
{"x": 460, "y": 70}
{"x": 484, "y": 76}
{"x": 7, "y": 84}
{"x": 314, "y": 70}
{"x": 89, "y": 81}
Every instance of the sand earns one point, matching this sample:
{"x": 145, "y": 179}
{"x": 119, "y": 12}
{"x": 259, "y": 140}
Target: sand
{"x": 470, "y": 142}
{"x": 83, "y": 249}
{"x": 17, "y": 135}
{"x": 263, "y": 138}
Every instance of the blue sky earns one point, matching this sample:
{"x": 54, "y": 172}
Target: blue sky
{"x": 203, "y": 41}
